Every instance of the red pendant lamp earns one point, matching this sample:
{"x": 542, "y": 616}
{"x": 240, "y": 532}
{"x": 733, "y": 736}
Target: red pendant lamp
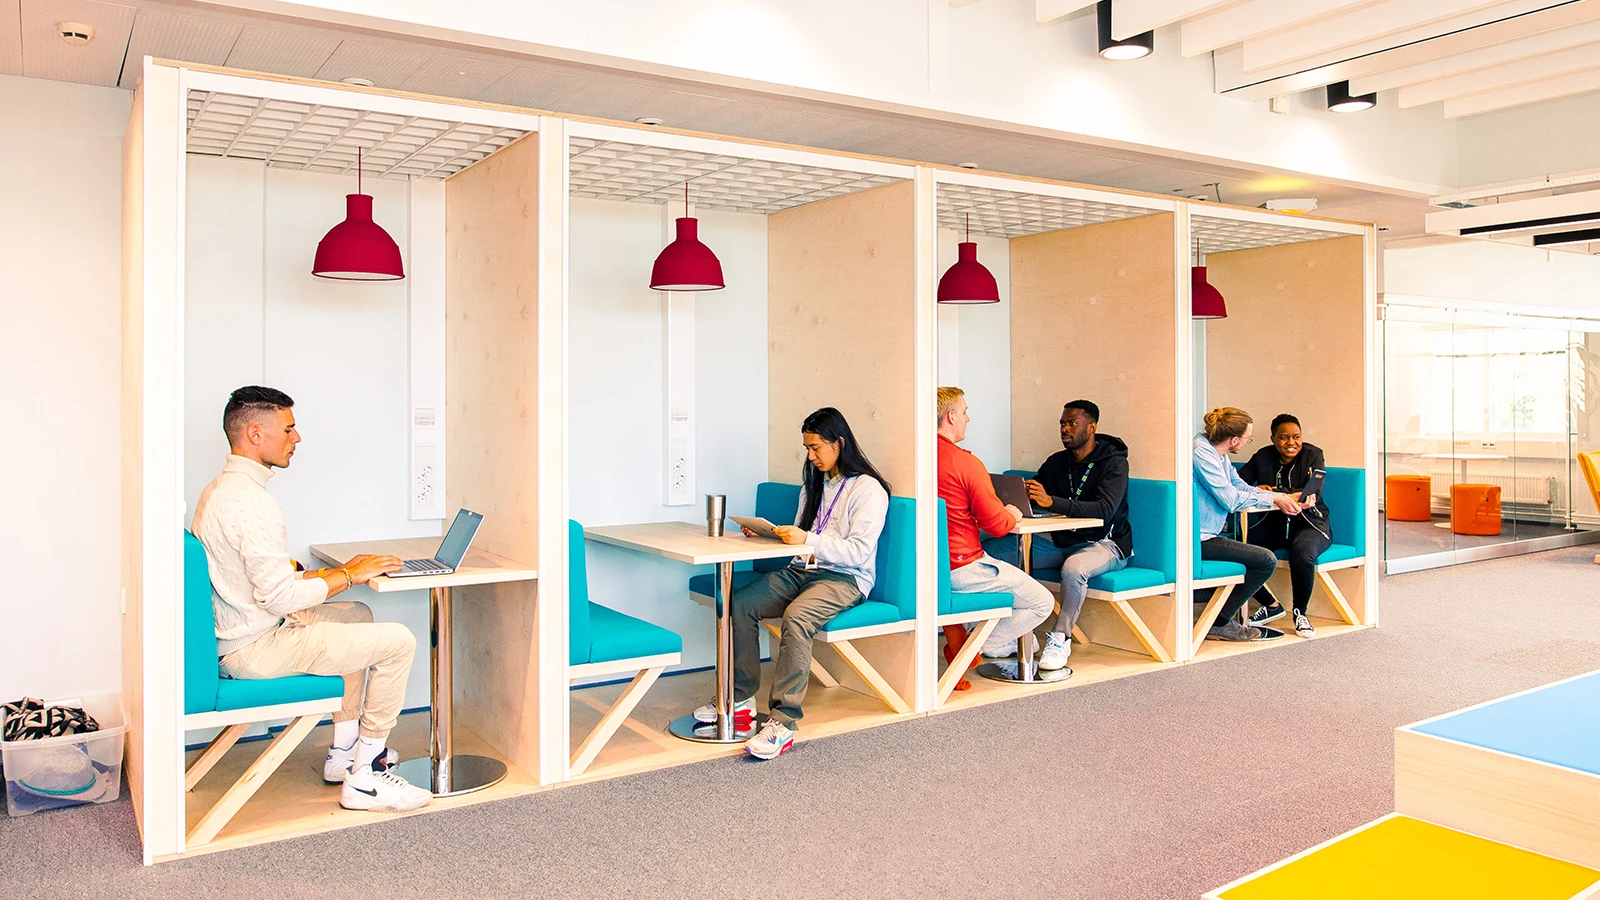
{"x": 1205, "y": 301}
{"x": 358, "y": 249}
{"x": 967, "y": 281}
{"x": 686, "y": 264}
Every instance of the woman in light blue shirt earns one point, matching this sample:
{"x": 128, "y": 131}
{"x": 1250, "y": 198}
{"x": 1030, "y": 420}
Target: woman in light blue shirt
{"x": 1220, "y": 491}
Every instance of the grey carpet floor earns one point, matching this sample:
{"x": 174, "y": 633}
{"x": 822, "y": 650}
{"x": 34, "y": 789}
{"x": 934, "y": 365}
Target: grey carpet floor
{"x": 1159, "y": 786}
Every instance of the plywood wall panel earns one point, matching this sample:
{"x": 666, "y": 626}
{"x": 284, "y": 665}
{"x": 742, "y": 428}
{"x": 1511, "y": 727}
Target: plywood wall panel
{"x": 841, "y": 319}
{"x": 1092, "y": 318}
{"x": 491, "y": 413}
{"x": 1293, "y": 341}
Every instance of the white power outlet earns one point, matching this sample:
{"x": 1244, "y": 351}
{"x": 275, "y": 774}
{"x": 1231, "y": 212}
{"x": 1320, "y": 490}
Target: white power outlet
{"x": 678, "y": 481}
{"x": 424, "y": 478}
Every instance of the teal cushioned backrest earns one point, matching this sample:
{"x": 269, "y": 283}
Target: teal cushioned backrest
{"x": 199, "y": 631}
{"x": 578, "y": 638}
{"x": 896, "y": 581}
{"x": 1153, "y": 515}
{"x": 1194, "y": 521}
{"x": 944, "y": 559}
{"x": 776, "y": 502}
{"x": 1345, "y": 490}
{"x": 1025, "y": 473}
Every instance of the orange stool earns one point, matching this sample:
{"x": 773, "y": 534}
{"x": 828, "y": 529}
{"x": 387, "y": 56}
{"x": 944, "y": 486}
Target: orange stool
{"x": 1475, "y": 508}
{"x": 1406, "y": 499}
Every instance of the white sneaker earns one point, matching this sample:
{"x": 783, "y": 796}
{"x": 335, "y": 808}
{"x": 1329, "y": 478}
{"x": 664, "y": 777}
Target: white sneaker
{"x": 380, "y": 790}
{"x": 1057, "y": 650}
{"x": 773, "y": 740}
{"x": 338, "y": 763}
{"x": 743, "y": 712}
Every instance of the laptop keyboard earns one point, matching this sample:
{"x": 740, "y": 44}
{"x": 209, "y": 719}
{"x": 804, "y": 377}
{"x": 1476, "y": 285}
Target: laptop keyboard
{"x": 424, "y": 566}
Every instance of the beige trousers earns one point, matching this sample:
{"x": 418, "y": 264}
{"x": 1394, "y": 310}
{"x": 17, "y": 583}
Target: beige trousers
{"x": 337, "y": 638}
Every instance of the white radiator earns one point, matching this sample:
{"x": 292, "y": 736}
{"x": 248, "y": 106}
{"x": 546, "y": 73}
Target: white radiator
{"x": 1537, "y": 490}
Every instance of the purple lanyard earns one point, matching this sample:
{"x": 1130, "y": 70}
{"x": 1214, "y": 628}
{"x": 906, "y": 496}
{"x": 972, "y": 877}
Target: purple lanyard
{"x": 829, "y": 514}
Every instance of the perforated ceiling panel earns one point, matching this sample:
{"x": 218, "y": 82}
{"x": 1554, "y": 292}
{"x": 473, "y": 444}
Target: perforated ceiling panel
{"x": 1009, "y": 214}
{"x": 325, "y": 138}
{"x": 611, "y": 170}
{"x": 1222, "y": 235}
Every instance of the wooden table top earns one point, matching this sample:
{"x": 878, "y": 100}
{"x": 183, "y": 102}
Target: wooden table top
{"x": 1053, "y": 523}
{"x": 479, "y": 566}
{"x": 688, "y": 542}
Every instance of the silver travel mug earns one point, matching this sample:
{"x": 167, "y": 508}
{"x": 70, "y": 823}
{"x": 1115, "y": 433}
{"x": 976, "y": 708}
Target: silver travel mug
{"x": 716, "y": 506}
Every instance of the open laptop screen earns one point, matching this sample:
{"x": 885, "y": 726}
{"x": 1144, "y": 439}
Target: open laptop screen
{"x": 459, "y": 537}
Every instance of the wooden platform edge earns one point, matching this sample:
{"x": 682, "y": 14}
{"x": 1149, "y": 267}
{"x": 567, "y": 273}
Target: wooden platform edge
{"x": 1514, "y": 800}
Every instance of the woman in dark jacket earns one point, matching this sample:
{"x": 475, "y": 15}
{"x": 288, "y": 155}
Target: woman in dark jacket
{"x": 1285, "y": 467}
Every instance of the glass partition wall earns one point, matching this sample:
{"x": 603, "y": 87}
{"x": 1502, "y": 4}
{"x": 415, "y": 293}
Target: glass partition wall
{"x": 1484, "y": 413}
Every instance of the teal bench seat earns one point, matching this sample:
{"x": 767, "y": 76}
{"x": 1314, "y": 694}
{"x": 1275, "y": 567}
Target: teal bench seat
{"x": 985, "y": 608}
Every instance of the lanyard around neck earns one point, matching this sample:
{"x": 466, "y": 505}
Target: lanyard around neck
{"x": 835, "y": 502}
{"x": 1077, "y": 492}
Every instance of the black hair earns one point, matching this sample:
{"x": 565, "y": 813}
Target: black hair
{"x": 1086, "y": 407}
{"x": 829, "y": 424}
{"x": 245, "y": 402}
{"x": 1283, "y": 419}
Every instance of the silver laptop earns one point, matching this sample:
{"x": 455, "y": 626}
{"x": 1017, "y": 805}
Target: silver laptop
{"x": 1013, "y": 490}
{"x": 451, "y": 550}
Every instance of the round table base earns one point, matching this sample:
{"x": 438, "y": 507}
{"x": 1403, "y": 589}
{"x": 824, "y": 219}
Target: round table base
{"x": 467, "y": 774}
{"x": 997, "y": 672}
{"x": 690, "y": 729}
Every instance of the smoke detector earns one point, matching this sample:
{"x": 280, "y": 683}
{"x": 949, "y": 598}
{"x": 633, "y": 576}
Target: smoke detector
{"x": 75, "y": 33}
{"x": 1292, "y": 204}
{"x": 357, "y": 80}
{"x": 967, "y": 165}
{"x": 649, "y": 120}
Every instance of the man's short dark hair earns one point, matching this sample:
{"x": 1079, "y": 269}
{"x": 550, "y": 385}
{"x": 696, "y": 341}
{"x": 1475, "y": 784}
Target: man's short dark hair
{"x": 245, "y": 402}
{"x": 1283, "y": 419}
{"x": 1086, "y": 407}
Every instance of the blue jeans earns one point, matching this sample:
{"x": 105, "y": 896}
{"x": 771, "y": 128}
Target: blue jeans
{"x": 1078, "y": 564}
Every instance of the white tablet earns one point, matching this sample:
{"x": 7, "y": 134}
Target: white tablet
{"x": 758, "y": 525}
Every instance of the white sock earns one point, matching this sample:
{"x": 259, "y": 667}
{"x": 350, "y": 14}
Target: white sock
{"x": 367, "y": 750}
{"x": 345, "y": 734}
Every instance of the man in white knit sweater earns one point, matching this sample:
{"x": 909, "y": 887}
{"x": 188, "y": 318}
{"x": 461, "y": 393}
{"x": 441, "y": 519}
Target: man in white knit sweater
{"x": 273, "y": 620}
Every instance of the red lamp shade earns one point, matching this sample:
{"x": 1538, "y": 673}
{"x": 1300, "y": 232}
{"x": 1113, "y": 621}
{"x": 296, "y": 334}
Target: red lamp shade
{"x": 1205, "y": 301}
{"x": 968, "y": 281}
{"x": 357, "y": 249}
{"x": 686, "y": 264}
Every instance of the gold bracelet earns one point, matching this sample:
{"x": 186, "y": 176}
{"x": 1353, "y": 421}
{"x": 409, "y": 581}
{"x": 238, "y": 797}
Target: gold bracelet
{"x": 348, "y": 581}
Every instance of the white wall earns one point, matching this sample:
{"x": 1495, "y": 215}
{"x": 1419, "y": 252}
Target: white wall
{"x": 989, "y": 60}
{"x": 60, "y": 352}
{"x": 1492, "y": 272}
{"x": 975, "y": 352}
{"x": 255, "y": 315}
{"x": 615, "y": 402}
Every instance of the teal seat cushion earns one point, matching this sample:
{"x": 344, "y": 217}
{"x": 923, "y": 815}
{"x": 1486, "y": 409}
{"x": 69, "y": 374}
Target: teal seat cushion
{"x": 1132, "y": 578}
{"x": 867, "y": 612}
{"x": 1206, "y": 569}
{"x": 614, "y": 635}
{"x": 707, "y": 584}
{"x": 977, "y": 601}
{"x": 247, "y": 693}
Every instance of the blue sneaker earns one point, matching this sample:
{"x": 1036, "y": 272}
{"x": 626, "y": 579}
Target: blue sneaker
{"x": 773, "y": 740}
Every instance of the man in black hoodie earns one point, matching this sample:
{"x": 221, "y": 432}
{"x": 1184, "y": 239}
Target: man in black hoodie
{"x": 1088, "y": 479}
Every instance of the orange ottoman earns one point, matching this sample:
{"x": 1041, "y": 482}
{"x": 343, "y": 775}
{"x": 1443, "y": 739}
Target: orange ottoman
{"x": 1405, "y": 498}
{"x": 1475, "y": 508}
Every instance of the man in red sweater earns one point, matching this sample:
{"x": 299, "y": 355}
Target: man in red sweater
{"x": 971, "y": 504}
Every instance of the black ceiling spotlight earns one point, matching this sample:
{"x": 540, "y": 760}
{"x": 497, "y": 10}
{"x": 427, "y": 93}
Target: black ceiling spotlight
{"x": 1133, "y": 47}
{"x": 1340, "y": 99}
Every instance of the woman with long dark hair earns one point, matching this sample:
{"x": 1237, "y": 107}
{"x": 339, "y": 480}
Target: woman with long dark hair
{"x": 843, "y": 505}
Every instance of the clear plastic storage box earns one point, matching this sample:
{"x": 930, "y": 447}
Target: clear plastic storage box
{"x": 69, "y": 770}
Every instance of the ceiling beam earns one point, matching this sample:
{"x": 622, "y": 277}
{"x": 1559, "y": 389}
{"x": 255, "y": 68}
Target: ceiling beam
{"x": 1481, "y": 58}
{"x": 1353, "y": 27}
{"x": 1537, "y": 68}
{"x": 1131, "y": 17}
{"x": 1529, "y": 92}
{"x": 1047, "y": 11}
{"x": 1256, "y": 18}
{"x": 1428, "y": 42}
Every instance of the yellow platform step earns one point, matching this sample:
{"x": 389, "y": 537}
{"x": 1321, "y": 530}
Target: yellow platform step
{"x": 1400, "y": 858}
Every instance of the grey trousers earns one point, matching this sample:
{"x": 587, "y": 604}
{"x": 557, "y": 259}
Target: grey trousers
{"x": 807, "y": 599}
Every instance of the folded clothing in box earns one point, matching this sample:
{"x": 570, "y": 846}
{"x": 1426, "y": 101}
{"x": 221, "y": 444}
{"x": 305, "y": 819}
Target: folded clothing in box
{"x": 30, "y": 720}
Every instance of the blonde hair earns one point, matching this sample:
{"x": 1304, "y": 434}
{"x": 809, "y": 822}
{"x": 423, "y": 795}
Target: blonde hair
{"x": 1226, "y": 422}
{"x": 948, "y": 397}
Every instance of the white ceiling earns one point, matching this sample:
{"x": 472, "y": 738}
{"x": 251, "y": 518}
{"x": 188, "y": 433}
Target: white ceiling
{"x": 125, "y": 32}
{"x": 1473, "y": 55}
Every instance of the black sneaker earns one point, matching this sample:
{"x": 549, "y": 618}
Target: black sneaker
{"x": 1267, "y": 614}
{"x": 1302, "y": 625}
